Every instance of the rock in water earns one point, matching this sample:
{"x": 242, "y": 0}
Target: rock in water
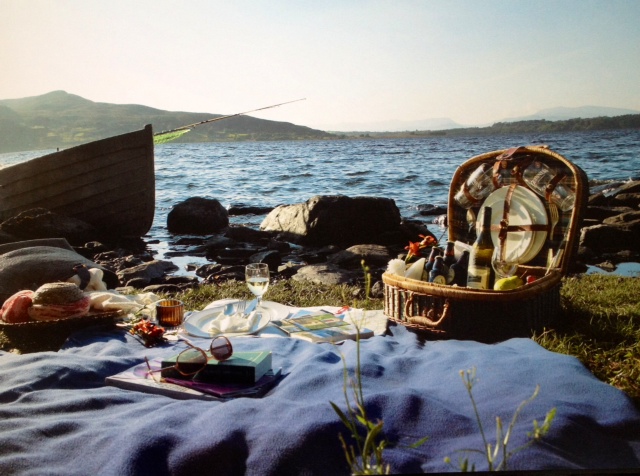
{"x": 197, "y": 215}
{"x": 41, "y": 223}
{"x": 335, "y": 219}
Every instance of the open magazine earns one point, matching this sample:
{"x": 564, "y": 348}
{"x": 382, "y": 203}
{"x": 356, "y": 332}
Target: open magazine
{"x": 321, "y": 326}
{"x": 138, "y": 378}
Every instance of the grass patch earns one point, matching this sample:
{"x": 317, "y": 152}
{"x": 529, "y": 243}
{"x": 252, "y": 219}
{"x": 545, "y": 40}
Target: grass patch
{"x": 602, "y": 329}
{"x": 602, "y": 315}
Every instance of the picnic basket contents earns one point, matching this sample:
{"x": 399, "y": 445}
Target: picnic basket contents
{"x": 513, "y": 223}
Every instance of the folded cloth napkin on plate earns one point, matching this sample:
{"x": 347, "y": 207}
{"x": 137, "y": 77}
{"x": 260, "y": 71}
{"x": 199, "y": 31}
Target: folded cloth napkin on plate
{"x": 232, "y": 323}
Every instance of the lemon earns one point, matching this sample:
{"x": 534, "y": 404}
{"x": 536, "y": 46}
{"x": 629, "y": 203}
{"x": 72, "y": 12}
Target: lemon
{"x": 507, "y": 284}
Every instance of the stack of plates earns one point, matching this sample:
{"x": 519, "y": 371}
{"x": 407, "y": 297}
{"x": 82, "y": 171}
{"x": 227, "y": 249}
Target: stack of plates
{"x": 526, "y": 209}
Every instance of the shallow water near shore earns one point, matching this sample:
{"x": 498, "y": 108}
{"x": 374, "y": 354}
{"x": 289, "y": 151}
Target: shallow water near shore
{"x": 413, "y": 172}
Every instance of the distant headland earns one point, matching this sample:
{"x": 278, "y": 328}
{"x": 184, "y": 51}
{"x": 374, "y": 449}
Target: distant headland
{"x": 60, "y": 120}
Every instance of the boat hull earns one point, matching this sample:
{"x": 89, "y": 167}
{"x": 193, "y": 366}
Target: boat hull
{"x": 109, "y": 183}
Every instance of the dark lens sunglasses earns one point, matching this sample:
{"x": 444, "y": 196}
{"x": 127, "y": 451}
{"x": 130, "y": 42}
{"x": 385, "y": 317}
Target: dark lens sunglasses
{"x": 193, "y": 359}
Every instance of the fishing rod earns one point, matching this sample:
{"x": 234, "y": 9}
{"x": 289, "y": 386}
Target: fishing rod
{"x": 166, "y": 136}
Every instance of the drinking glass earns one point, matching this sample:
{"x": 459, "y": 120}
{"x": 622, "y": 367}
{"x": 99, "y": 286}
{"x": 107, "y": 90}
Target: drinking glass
{"x": 504, "y": 268}
{"x": 477, "y": 187}
{"x": 538, "y": 175}
{"x": 257, "y": 277}
{"x": 169, "y": 313}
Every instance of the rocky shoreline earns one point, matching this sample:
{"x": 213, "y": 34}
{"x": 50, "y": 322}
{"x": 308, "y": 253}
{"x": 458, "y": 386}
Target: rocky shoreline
{"x": 323, "y": 240}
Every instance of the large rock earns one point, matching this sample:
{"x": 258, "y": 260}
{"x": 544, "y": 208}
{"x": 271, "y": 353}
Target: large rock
{"x": 29, "y": 266}
{"x": 246, "y": 234}
{"x": 632, "y": 186}
{"x": 632, "y": 217}
{"x": 146, "y": 273}
{"x": 600, "y": 213}
{"x": 611, "y": 237}
{"x": 198, "y": 216}
{"x": 627, "y": 199}
{"x": 351, "y": 258}
{"x": 42, "y": 223}
{"x": 335, "y": 219}
{"x": 327, "y": 274}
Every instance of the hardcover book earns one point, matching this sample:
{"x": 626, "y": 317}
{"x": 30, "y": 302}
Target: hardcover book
{"x": 139, "y": 379}
{"x": 320, "y": 326}
{"x": 242, "y": 367}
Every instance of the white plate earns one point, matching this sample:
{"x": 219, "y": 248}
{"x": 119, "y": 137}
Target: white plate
{"x": 198, "y": 323}
{"x": 278, "y": 311}
{"x": 539, "y": 216}
{"x": 526, "y": 209}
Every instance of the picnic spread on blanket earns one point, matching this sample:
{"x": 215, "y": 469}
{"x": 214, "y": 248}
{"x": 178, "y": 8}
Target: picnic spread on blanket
{"x": 147, "y": 386}
{"x": 60, "y": 412}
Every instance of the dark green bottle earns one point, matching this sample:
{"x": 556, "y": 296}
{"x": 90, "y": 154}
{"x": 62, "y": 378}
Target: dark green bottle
{"x": 460, "y": 268}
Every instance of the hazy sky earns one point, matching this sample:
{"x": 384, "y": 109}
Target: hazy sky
{"x": 356, "y": 61}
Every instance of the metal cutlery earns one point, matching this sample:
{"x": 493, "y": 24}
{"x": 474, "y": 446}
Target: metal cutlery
{"x": 554, "y": 216}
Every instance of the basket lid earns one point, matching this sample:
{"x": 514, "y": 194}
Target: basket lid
{"x": 475, "y": 179}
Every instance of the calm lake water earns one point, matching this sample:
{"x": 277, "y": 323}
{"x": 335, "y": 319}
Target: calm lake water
{"x": 413, "y": 172}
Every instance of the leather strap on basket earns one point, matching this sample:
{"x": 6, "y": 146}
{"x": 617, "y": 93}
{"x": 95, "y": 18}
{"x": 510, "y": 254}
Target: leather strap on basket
{"x": 504, "y": 223}
{"x": 467, "y": 194}
{"x": 431, "y": 320}
{"x": 523, "y": 161}
{"x": 552, "y": 185}
{"x": 503, "y": 161}
{"x": 503, "y": 228}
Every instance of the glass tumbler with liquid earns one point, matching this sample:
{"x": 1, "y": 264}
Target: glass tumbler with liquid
{"x": 477, "y": 187}
{"x": 538, "y": 176}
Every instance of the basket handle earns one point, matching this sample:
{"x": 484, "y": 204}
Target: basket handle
{"x": 431, "y": 319}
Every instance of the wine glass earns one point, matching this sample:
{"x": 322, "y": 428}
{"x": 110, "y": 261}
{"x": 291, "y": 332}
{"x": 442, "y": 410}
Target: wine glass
{"x": 257, "y": 278}
{"x": 504, "y": 268}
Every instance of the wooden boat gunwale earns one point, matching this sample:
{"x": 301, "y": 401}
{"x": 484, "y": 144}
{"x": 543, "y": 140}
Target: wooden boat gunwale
{"x": 108, "y": 183}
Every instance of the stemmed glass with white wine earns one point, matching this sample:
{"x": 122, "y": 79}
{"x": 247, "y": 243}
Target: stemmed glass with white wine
{"x": 257, "y": 278}
{"x": 502, "y": 265}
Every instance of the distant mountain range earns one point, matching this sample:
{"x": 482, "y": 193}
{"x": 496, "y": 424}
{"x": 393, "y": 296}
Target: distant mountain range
{"x": 59, "y": 119}
{"x": 564, "y": 113}
{"x": 434, "y": 124}
{"x": 445, "y": 123}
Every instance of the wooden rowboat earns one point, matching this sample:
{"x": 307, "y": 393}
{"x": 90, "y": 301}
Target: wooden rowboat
{"x": 109, "y": 183}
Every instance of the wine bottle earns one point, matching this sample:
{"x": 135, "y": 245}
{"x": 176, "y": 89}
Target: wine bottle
{"x": 438, "y": 274}
{"x": 480, "y": 271}
{"x": 460, "y": 268}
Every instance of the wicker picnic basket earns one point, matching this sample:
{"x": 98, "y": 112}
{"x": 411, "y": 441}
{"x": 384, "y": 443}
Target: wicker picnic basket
{"x": 444, "y": 311}
{"x": 37, "y": 332}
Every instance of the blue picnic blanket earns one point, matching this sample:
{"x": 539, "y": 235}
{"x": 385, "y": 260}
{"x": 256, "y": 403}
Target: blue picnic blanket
{"x": 57, "y": 416}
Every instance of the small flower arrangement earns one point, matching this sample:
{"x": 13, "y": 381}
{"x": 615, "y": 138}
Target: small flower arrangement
{"x": 415, "y": 250}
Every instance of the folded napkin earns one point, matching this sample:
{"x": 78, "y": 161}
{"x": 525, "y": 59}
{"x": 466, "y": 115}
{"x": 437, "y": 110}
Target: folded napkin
{"x": 113, "y": 300}
{"x": 232, "y": 323}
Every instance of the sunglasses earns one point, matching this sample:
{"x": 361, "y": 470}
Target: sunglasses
{"x": 193, "y": 359}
